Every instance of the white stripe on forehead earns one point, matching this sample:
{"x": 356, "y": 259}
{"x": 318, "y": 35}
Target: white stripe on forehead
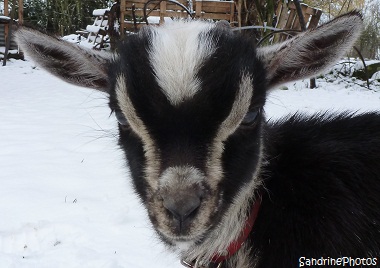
{"x": 178, "y": 51}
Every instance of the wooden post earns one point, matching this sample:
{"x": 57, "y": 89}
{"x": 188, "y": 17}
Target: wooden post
{"x": 300, "y": 15}
{"x": 315, "y": 19}
{"x": 6, "y": 8}
{"x": 162, "y": 11}
{"x": 232, "y": 15}
{"x": 239, "y": 5}
{"x": 303, "y": 28}
{"x": 6, "y": 13}
{"x": 7, "y": 42}
{"x": 122, "y": 13}
{"x": 8, "y": 29}
{"x": 20, "y": 12}
{"x": 198, "y": 8}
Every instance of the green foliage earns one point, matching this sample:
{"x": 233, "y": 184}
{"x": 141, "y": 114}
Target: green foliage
{"x": 370, "y": 40}
{"x": 369, "y": 43}
{"x": 336, "y": 7}
{"x": 35, "y": 13}
{"x": 61, "y": 16}
{"x": 259, "y": 13}
{"x": 371, "y": 69}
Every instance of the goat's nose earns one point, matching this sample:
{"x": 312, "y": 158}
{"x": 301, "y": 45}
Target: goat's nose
{"x": 182, "y": 207}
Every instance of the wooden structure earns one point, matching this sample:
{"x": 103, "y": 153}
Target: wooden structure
{"x": 7, "y": 24}
{"x": 287, "y": 18}
{"x": 20, "y": 10}
{"x": 96, "y": 33}
{"x": 132, "y": 11}
{"x": 6, "y": 14}
{"x": 132, "y": 14}
{"x": 4, "y": 30}
{"x": 215, "y": 10}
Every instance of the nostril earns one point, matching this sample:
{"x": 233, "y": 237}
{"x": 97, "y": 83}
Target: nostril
{"x": 182, "y": 207}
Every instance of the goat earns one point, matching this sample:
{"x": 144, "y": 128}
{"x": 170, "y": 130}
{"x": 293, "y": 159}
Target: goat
{"x": 222, "y": 186}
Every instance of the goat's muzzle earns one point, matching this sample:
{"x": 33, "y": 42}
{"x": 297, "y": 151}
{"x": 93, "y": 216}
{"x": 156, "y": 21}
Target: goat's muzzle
{"x": 183, "y": 194}
{"x": 182, "y": 207}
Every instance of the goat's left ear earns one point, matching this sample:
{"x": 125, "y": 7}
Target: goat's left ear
{"x": 76, "y": 65}
{"x": 311, "y": 52}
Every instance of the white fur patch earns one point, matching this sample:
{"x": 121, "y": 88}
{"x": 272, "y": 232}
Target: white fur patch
{"x": 178, "y": 51}
{"x": 181, "y": 175}
{"x": 126, "y": 106}
{"x": 229, "y": 125}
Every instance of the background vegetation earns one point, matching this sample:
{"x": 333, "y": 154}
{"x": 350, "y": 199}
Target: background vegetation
{"x": 59, "y": 16}
{"x": 66, "y": 16}
{"x": 369, "y": 43}
{"x": 260, "y": 12}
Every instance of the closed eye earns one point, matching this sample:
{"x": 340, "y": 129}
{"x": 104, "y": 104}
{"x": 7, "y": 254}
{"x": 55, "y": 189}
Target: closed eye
{"x": 251, "y": 117}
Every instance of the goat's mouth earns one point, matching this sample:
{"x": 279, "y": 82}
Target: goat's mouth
{"x": 178, "y": 239}
{"x": 189, "y": 230}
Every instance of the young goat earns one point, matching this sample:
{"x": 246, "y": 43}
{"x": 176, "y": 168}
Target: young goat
{"x": 222, "y": 186}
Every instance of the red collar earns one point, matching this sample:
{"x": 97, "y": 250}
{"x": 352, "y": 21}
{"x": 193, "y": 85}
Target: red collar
{"x": 237, "y": 244}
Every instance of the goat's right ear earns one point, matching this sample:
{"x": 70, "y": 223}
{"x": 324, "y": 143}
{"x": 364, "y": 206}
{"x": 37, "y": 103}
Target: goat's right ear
{"x": 73, "y": 64}
{"x": 311, "y": 52}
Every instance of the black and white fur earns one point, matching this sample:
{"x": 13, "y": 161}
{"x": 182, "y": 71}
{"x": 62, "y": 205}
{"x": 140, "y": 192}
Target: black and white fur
{"x": 189, "y": 98}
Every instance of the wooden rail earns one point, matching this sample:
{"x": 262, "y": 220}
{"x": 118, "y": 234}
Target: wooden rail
{"x": 215, "y": 10}
{"x": 206, "y": 9}
{"x": 287, "y": 18}
{"x": 135, "y": 13}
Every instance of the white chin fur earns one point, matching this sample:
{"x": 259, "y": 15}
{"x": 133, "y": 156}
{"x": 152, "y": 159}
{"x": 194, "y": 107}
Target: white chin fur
{"x": 182, "y": 246}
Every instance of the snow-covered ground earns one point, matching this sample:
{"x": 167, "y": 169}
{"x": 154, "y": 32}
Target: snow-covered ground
{"x": 65, "y": 196}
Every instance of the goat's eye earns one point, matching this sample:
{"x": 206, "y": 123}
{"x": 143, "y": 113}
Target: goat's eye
{"x": 251, "y": 117}
{"x": 121, "y": 118}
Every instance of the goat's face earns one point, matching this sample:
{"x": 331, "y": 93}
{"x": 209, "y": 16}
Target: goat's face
{"x": 189, "y": 99}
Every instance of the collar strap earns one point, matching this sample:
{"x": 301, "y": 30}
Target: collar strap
{"x": 237, "y": 244}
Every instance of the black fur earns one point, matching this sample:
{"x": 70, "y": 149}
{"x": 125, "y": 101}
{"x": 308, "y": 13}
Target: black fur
{"x": 184, "y": 133}
{"x": 321, "y": 173}
{"x": 322, "y": 190}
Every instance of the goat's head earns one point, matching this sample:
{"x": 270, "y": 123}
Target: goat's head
{"x": 189, "y": 99}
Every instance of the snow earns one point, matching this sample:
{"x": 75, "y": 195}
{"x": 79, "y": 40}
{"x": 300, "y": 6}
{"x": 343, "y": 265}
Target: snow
{"x": 156, "y": 19}
{"x": 72, "y": 38}
{"x": 66, "y": 198}
{"x": 11, "y": 51}
{"x": 100, "y": 12}
{"x": 93, "y": 28}
{"x": 376, "y": 76}
{"x": 5, "y": 18}
{"x": 336, "y": 96}
{"x": 81, "y": 40}
{"x": 359, "y": 64}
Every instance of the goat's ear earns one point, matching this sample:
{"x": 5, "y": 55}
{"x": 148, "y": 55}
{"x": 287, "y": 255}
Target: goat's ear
{"x": 73, "y": 64}
{"x": 311, "y": 52}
